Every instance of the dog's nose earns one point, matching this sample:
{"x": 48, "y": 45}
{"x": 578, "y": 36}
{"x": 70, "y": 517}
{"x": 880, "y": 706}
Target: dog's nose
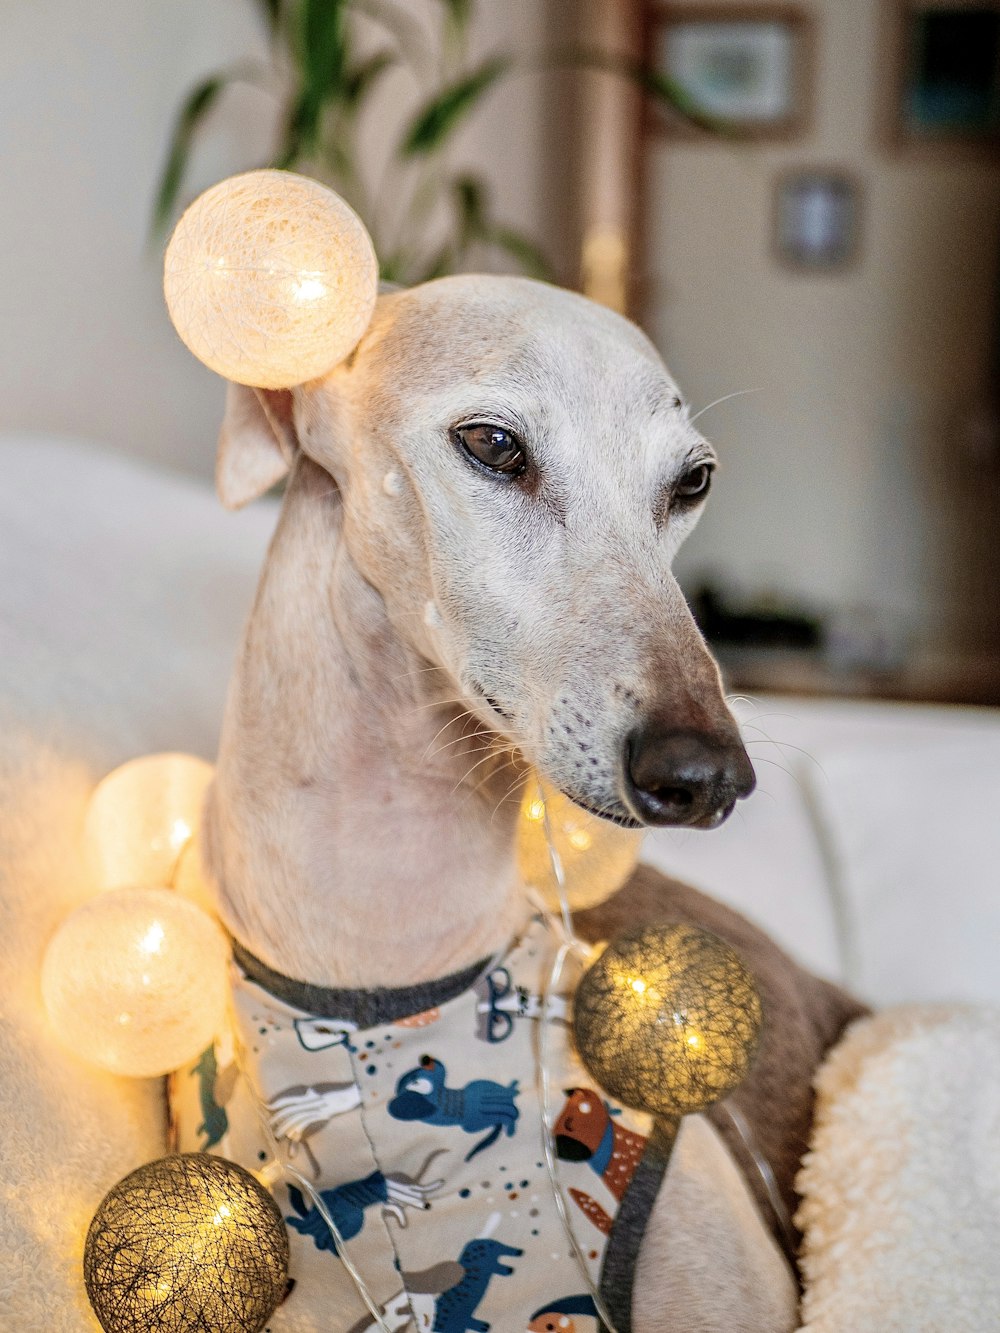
{"x": 685, "y": 777}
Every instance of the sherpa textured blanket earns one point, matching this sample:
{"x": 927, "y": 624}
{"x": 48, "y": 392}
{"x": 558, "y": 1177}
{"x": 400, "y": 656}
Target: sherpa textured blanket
{"x": 901, "y": 1187}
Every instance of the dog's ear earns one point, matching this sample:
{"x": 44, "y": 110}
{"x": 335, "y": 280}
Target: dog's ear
{"x": 257, "y": 443}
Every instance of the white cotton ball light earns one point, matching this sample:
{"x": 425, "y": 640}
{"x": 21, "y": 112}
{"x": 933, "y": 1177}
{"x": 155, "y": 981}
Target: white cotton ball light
{"x": 270, "y": 279}
{"x": 135, "y": 981}
{"x": 142, "y": 816}
{"x": 597, "y": 856}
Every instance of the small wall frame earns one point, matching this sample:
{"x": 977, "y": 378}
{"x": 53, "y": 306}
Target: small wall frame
{"x": 817, "y": 219}
{"x": 943, "y": 97}
{"x": 745, "y": 70}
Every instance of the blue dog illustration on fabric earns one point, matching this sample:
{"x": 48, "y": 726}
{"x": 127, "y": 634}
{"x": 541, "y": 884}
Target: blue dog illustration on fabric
{"x": 347, "y": 1203}
{"x": 455, "y": 1309}
{"x": 421, "y": 1094}
{"x": 444, "y": 1298}
{"x": 215, "y": 1088}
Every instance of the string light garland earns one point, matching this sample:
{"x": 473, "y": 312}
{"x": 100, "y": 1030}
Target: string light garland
{"x": 667, "y": 1020}
{"x": 135, "y": 981}
{"x": 270, "y": 279}
{"x": 186, "y": 1244}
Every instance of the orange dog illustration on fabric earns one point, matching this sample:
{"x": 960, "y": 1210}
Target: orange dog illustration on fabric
{"x": 586, "y": 1132}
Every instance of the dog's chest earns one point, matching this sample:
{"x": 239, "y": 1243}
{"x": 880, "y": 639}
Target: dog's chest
{"x": 421, "y": 1138}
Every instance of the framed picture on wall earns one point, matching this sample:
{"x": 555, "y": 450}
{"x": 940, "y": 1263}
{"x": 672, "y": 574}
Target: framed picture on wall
{"x": 817, "y": 214}
{"x": 745, "y": 69}
{"x": 946, "y": 57}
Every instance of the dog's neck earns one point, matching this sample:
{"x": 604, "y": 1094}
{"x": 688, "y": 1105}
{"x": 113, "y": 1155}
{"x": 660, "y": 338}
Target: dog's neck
{"x": 348, "y": 842}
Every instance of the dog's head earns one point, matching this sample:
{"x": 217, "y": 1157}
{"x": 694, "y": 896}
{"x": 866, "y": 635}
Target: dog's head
{"x": 517, "y": 471}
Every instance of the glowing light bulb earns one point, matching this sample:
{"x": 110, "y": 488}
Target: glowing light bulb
{"x": 135, "y": 981}
{"x": 186, "y": 1242}
{"x": 270, "y": 279}
{"x": 667, "y": 1019}
{"x": 579, "y": 839}
{"x": 152, "y": 941}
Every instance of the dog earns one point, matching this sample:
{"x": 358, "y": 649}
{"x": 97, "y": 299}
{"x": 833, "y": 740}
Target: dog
{"x": 472, "y": 565}
{"x": 471, "y": 579}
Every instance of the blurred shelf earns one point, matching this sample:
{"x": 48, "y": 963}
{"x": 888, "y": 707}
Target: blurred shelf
{"x": 933, "y": 678}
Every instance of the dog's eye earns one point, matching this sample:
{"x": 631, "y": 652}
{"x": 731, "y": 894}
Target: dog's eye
{"x": 695, "y": 483}
{"x": 494, "y": 446}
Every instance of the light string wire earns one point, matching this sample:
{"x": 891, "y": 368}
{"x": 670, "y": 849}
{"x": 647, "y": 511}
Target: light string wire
{"x": 571, "y": 943}
{"x": 765, "y": 1171}
{"x": 267, "y": 1176}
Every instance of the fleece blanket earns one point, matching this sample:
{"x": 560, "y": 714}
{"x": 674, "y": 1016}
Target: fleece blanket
{"x": 122, "y": 593}
{"x": 901, "y": 1186}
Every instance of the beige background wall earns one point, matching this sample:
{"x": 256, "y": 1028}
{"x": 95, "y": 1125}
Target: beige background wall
{"x": 846, "y": 477}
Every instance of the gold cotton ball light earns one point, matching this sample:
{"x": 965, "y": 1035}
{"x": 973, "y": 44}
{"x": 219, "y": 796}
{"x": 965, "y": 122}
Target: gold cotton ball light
{"x": 136, "y": 981}
{"x": 186, "y": 1244}
{"x": 596, "y": 855}
{"x": 142, "y": 816}
{"x": 667, "y": 1020}
{"x": 270, "y": 279}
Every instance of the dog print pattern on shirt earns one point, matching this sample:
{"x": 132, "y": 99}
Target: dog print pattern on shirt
{"x": 422, "y": 1137}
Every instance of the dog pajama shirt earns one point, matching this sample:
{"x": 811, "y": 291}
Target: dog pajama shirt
{"x": 416, "y": 1115}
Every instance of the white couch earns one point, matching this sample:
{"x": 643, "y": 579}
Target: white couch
{"x": 870, "y": 849}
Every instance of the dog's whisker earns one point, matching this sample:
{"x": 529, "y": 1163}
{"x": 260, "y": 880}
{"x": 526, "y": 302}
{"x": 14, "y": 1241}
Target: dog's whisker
{"x": 493, "y": 754}
{"x": 514, "y": 787}
{"x": 415, "y": 671}
{"x": 789, "y": 772}
{"x": 450, "y": 723}
{"x": 737, "y": 393}
{"x": 457, "y": 741}
{"x": 508, "y": 763}
{"x": 439, "y": 703}
{"x": 460, "y": 719}
{"x": 787, "y": 745}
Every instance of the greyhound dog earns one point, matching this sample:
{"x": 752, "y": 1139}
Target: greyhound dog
{"x": 471, "y": 574}
{"x": 470, "y": 579}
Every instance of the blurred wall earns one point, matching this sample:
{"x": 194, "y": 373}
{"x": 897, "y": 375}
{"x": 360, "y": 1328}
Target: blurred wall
{"x": 87, "y": 96}
{"x": 846, "y": 476}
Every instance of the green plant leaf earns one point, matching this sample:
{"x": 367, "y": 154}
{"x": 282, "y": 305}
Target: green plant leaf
{"x": 320, "y": 49}
{"x": 522, "y": 249}
{"x": 460, "y": 13}
{"x": 392, "y": 268}
{"x": 475, "y": 225}
{"x": 195, "y": 107}
{"x": 437, "y": 118}
{"x": 472, "y": 201}
{"x": 362, "y": 78}
{"x": 271, "y": 9}
{"x": 323, "y": 42}
{"x": 669, "y": 93}
{"x": 660, "y": 87}
{"x": 407, "y": 32}
{"x": 441, "y": 264}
